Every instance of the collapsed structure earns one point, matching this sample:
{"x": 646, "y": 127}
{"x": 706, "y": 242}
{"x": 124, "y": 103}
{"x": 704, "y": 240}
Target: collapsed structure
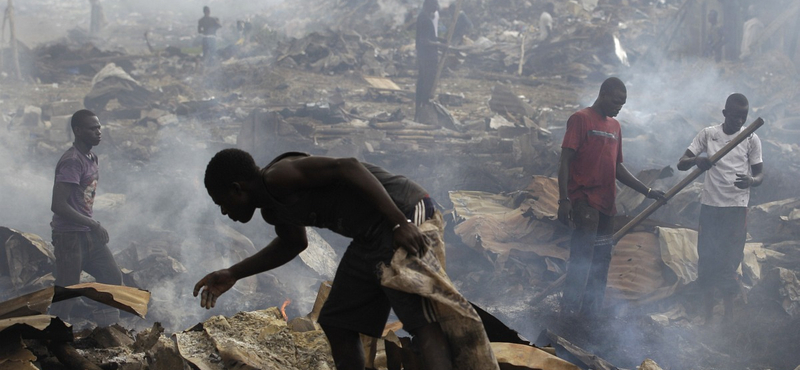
{"x": 345, "y": 90}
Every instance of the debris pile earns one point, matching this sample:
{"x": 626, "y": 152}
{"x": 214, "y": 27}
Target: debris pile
{"x": 339, "y": 81}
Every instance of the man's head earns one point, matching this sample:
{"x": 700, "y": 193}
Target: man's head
{"x": 86, "y": 127}
{"x": 226, "y": 175}
{"x": 206, "y": 11}
{"x": 430, "y": 6}
{"x": 735, "y": 112}
{"x": 712, "y": 17}
{"x": 612, "y": 97}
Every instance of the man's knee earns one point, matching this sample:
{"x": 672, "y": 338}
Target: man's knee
{"x": 431, "y": 341}
{"x": 346, "y": 348}
{"x": 339, "y": 335}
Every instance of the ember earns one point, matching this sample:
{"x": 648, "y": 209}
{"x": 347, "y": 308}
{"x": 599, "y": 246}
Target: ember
{"x": 283, "y": 308}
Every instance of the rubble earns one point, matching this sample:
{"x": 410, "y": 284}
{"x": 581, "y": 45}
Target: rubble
{"x": 342, "y": 86}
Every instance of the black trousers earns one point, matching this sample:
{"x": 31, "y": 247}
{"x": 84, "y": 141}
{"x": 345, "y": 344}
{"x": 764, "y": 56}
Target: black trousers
{"x": 720, "y": 248}
{"x": 589, "y": 258}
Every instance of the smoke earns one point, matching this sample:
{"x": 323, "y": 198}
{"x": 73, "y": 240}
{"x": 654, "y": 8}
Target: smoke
{"x": 26, "y": 185}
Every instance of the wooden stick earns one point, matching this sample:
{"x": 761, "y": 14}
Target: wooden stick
{"x": 653, "y": 207}
{"x": 13, "y": 33}
{"x": 688, "y": 179}
{"x": 450, "y": 32}
{"x": 521, "y": 56}
{"x": 3, "y": 38}
{"x": 69, "y": 357}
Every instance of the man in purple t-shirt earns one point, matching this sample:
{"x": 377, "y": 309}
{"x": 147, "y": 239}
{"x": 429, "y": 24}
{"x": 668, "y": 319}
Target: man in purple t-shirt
{"x": 79, "y": 241}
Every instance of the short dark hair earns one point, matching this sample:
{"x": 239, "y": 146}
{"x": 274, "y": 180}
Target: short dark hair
{"x": 206, "y": 9}
{"x": 79, "y": 117}
{"x": 612, "y": 84}
{"x": 229, "y": 166}
{"x": 736, "y": 99}
{"x": 430, "y": 4}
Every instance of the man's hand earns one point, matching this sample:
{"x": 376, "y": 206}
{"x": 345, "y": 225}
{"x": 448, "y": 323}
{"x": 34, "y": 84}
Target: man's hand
{"x": 655, "y": 194}
{"x": 743, "y": 181}
{"x": 703, "y": 163}
{"x": 100, "y": 232}
{"x": 213, "y": 285}
{"x": 409, "y": 236}
{"x": 565, "y": 212}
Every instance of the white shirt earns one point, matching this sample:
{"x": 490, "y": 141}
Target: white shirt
{"x": 545, "y": 25}
{"x": 718, "y": 188}
{"x": 436, "y": 23}
{"x": 752, "y": 31}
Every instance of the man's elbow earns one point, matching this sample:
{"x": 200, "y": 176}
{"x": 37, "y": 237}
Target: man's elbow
{"x": 349, "y": 164}
{"x": 298, "y": 247}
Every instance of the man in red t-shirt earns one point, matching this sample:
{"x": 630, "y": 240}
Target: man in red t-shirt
{"x": 591, "y": 161}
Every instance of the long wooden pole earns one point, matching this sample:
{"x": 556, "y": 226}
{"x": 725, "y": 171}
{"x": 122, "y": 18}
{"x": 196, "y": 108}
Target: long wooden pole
{"x": 652, "y": 208}
{"x": 688, "y": 179}
{"x": 450, "y": 32}
{"x": 13, "y": 33}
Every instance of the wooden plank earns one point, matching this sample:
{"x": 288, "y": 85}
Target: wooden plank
{"x": 382, "y": 83}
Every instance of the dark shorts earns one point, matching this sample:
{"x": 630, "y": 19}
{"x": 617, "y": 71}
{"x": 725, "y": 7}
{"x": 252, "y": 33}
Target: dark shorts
{"x": 357, "y": 300}
{"x": 81, "y": 251}
{"x": 720, "y": 247}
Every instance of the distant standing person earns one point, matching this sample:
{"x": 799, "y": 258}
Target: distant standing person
{"x": 98, "y": 17}
{"x": 591, "y": 162}
{"x": 80, "y": 242}
{"x": 752, "y": 30}
{"x": 716, "y": 38}
{"x": 723, "y": 210}
{"x": 546, "y": 22}
{"x": 207, "y": 27}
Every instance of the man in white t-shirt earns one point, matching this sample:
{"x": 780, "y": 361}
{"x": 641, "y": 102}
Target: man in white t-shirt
{"x": 723, "y": 212}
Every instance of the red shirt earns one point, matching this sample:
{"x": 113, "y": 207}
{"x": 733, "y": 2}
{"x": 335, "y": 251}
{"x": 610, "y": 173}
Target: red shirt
{"x": 597, "y": 141}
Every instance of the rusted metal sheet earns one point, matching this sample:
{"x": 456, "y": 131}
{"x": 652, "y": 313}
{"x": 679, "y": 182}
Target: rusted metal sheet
{"x": 132, "y": 300}
{"x": 37, "y": 327}
{"x": 14, "y": 356}
{"x": 522, "y": 221}
{"x": 127, "y": 299}
{"x": 521, "y": 356}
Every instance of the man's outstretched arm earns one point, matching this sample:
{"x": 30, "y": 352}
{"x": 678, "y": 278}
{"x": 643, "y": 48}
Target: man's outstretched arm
{"x": 291, "y": 240}
{"x": 625, "y": 177}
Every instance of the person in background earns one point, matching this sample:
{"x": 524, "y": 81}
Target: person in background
{"x": 427, "y": 46}
{"x": 716, "y": 38}
{"x": 98, "y": 17}
{"x": 207, "y": 27}
{"x": 591, "y": 162}
{"x": 546, "y": 23}
{"x": 723, "y": 211}
{"x": 80, "y": 243}
{"x": 752, "y": 30}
